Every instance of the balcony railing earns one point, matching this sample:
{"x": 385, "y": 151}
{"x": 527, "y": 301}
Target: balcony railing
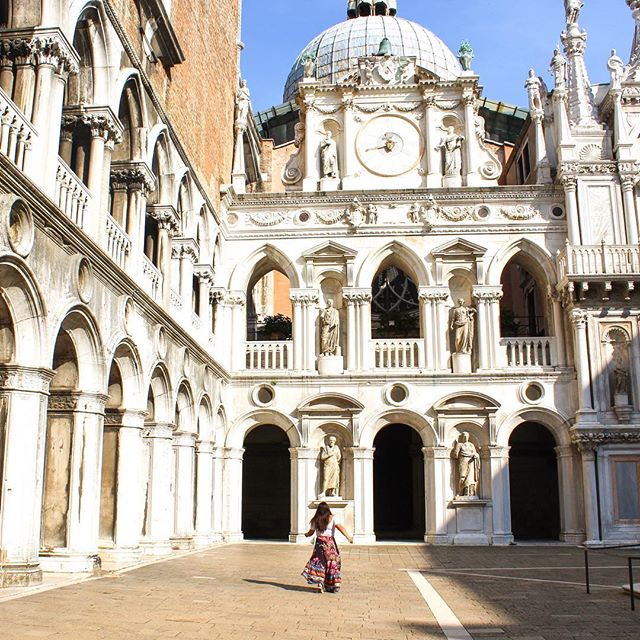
{"x": 529, "y": 352}
{"x": 599, "y": 260}
{"x": 175, "y": 301}
{"x": 151, "y": 278}
{"x": 196, "y": 322}
{"x": 400, "y": 353}
{"x": 270, "y": 355}
{"x": 71, "y": 196}
{"x": 118, "y": 243}
{"x": 16, "y": 132}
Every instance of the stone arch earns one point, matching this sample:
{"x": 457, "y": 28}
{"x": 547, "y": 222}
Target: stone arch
{"x": 250, "y": 421}
{"x": 184, "y": 204}
{"x": 554, "y": 421}
{"x": 538, "y": 259}
{"x": 185, "y": 419}
{"x": 130, "y": 109}
{"x": 127, "y": 359}
{"x": 81, "y": 328}
{"x": 266, "y": 257}
{"x": 220, "y": 425}
{"x": 159, "y": 390}
{"x": 21, "y": 295}
{"x": 407, "y": 417}
{"x": 161, "y": 163}
{"x": 205, "y": 422}
{"x": 203, "y": 235}
{"x": 405, "y": 257}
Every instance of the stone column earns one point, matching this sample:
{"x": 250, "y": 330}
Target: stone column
{"x": 23, "y": 405}
{"x": 363, "y": 495}
{"x": 167, "y": 226}
{"x": 236, "y": 302}
{"x": 350, "y": 297}
{"x": 297, "y": 332}
{"x": 24, "y": 85}
{"x": 558, "y": 327}
{"x": 500, "y": 494}
{"x": 129, "y": 499}
{"x": 204, "y": 274}
{"x": 159, "y": 517}
{"x": 364, "y": 317}
{"x": 483, "y": 338}
{"x": 570, "y": 527}
{"x": 440, "y": 297}
{"x": 590, "y": 488}
{"x": 55, "y": 102}
{"x": 310, "y": 312}
{"x": 348, "y": 146}
{"x": 586, "y": 413}
{"x": 471, "y": 143}
{"x": 437, "y": 471}
{"x": 570, "y": 184}
{"x": 434, "y": 158}
{"x": 96, "y": 221}
{"x": 6, "y": 72}
{"x": 426, "y": 329}
{"x": 488, "y": 298}
{"x": 218, "y": 496}
{"x": 311, "y": 141}
{"x": 204, "y": 494}
{"x": 184, "y": 447}
{"x": 233, "y": 494}
{"x": 628, "y": 183}
{"x": 303, "y": 476}
{"x": 304, "y": 303}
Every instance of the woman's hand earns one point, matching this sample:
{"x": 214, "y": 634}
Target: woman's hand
{"x": 350, "y": 540}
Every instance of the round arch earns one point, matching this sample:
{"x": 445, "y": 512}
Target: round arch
{"x": 250, "y": 421}
{"x": 129, "y": 106}
{"x": 270, "y": 256}
{"x": 407, "y": 417}
{"x": 185, "y": 418}
{"x": 127, "y": 358}
{"x": 535, "y": 258}
{"x": 159, "y": 386}
{"x": 21, "y": 294}
{"x": 557, "y": 424}
{"x": 406, "y": 258}
{"x": 220, "y": 425}
{"x": 205, "y": 425}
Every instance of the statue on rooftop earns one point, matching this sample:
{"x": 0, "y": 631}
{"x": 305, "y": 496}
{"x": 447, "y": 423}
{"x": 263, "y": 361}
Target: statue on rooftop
{"x": 309, "y": 66}
{"x": 559, "y": 69}
{"x": 572, "y": 10}
{"x": 243, "y": 101}
{"x": 616, "y": 69}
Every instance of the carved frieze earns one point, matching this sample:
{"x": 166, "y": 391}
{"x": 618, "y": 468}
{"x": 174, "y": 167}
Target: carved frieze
{"x": 266, "y": 218}
{"x": 520, "y": 212}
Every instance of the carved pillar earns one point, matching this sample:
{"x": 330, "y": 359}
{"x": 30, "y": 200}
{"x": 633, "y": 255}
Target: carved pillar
{"x": 471, "y": 143}
{"x": 304, "y": 304}
{"x": 429, "y": 297}
{"x": 439, "y": 298}
{"x": 630, "y": 214}
{"x": 579, "y": 319}
{"x": 571, "y": 529}
{"x": 433, "y": 156}
{"x": 303, "y": 479}
{"x": 347, "y": 141}
{"x": 573, "y": 221}
{"x": 203, "y": 534}
{"x": 218, "y": 495}
{"x": 351, "y": 299}
{"x": 363, "y": 495}
{"x": 482, "y": 322}
{"x": 233, "y": 494}
{"x": 437, "y": 468}
{"x": 364, "y": 321}
{"x": 310, "y": 313}
{"x": 590, "y": 489}
{"x": 167, "y": 226}
{"x": 158, "y": 523}
{"x": 25, "y": 77}
{"x": 310, "y": 115}
{"x": 23, "y": 405}
{"x": 558, "y": 327}
{"x": 184, "y": 448}
{"x": 500, "y": 494}
{"x": 235, "y": 301}
{"x": 186, "y": 252}
{"x": 204, "y": 273}
{"x": 6, "y": 70}
{"x": 488, "y": 299}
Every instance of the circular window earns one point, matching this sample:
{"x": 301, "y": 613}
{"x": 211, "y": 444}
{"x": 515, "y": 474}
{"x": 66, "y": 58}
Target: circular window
{"x": 263, "y": 395}
{"x": 482, "y": 213}
{"x": 531, "y": 392}
{"x": 83, "y": 279}
{"x": 20, "y": 229}
{"x": 302, "y": 217}
{"x": 396, "y": 394}
{"x": 557, "y": 212}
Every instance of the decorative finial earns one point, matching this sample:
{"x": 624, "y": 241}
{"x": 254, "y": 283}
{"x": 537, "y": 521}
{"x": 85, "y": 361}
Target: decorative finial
{"x": 385, "y": 47}
{"x": 465, "y": 55}
{"x": 572, "y": 10}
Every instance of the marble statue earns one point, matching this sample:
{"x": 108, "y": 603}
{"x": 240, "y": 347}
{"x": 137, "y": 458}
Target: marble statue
{"x": 452, "y": 145}
{"x": 559, "y": 69}
{"x": 465, "y": 56}
{"x": 462, "y": 326}
{"x": 329, "y": 330}
{"x": 329, "y": 156}
{"x": 414, "y": 213}
{"x": 572, "y": 9}
{"x": 309, "y": 65}
{"x": 616, "y": 69}
{"x": 367, "y": 72}
{"x": 372, "y": 214}
{"x": 620, "y": 381}
{"x": 468, "y": 466}
{"x": 243, "y": 100}
{"x": 331, "y": 457}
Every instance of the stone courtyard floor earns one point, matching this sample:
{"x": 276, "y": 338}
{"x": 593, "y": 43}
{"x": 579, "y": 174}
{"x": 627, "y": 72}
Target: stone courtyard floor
{"x": 254, "y": 591}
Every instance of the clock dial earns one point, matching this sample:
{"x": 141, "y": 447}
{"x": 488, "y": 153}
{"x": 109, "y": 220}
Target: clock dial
{"x": 389, "y": 145}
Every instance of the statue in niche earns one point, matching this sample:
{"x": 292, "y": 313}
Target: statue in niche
{"x": 331, "y": 457}
{"x": 452, "y": 146}
{"x": 329, "y": 330}
{"x": 309, "y": 66}
{"x": 616, "y": 69}
{"x": 243, "y": 100}
{"x": 462, "y": 326}
{"x": 329, "y": 156}
{"x": 468, "y": 466}
{"x": 559, "y": 69}
{"x": 572, "y": 10}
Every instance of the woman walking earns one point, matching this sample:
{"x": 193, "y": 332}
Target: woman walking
{"x": 323, "y": 568}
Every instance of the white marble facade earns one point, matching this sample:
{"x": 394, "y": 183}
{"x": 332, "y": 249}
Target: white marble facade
{"x": 132, "y": 402}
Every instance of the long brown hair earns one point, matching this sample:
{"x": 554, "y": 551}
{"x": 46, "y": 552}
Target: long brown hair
{"x": 321, "y": 517}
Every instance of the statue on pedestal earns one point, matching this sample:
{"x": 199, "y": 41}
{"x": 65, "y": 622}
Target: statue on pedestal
{"x": 468, "y": 466}
{"x": 559, "y": 69}
{"x": 331, "y": 457}
{"x": 329, "y": 330}
{"x": 329, "y": 156}
{"x": 309, "y": 66}
{"x": 616, "y": 69}
{"x": 243, "y": 100}
{"x": 452, "y": 145}
{"x": 462, "y": 326}
{"x": 572, "y": 10}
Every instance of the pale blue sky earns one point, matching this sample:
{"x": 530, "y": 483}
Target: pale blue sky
{"x": 508, "y": 36}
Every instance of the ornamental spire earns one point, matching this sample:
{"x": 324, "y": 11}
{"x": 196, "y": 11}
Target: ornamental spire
{"x": 364, "y": 8}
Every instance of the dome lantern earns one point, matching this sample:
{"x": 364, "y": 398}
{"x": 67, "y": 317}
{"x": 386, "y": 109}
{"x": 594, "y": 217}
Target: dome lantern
{"x": 364, "y": 8}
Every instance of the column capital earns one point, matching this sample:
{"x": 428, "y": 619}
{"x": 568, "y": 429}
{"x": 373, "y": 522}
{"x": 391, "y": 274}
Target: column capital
{"x": 166, "y": 215}
{"x": 17, "y": 378}
{"x": 303, "y": 453}
{"x": 101, "y": 121}
{"x": 233, "y": 453}
{"x": 158, "y": 430}
{"x": 362, "y": 453}
{"x": 235, "y": 298}
{"x": 437, "y": 452}
{"x": 135, "y": 176}
{"x": 569, "y": 183}
{"x": 487, "y": 293}
{"x": 305, "y": 297}
{"x": 204, "y": 446}
{"x": 357, "y": 295}
{"x": 184, "y": 439}
{"x": 216, "y": 294}
{"x": 433, "y": 293}
{"x": 78, "y": 401}
{"x": 185, "y": 248}
{"x": 497, "y": 451}
{"x": 578, "y": 318}
{"x": 204, "y": 273}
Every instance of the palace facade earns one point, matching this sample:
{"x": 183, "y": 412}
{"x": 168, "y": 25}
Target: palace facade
{"x": 168, "y": 373}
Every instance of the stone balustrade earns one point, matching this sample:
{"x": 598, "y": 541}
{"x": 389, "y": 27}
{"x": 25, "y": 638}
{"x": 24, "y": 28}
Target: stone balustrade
{"x": 599, "y": 260}
{"x": 176, "y": 301}
{"x": 151, "y": 278}
{"x": 398, "y": 353}
{"x": 16, "y": 132}
{"x": 71, "y": 196}
{"x": 196, "y": 322}
{"x": 529, "y": 352}
{"x": 118, "y": 242}
{"x": 269, "y": 355}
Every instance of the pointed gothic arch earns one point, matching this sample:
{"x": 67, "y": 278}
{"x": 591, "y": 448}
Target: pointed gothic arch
{"x": 398, "y": 253}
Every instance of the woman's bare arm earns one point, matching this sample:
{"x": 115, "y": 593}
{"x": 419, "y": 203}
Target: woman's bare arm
{"x": 309, "y": 533}
{"x": 344, "y": 532}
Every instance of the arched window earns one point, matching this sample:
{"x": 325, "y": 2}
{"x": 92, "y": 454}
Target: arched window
{"x": 395, "y": 308}
{"x": 268, "y": 305}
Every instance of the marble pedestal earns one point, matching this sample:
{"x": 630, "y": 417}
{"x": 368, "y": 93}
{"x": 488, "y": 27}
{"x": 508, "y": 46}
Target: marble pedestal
{"x": 452, "y": 182}
{"x": 330, "y": 365}
{"x": 329, "y": 184}
{"x": 341, "y": 509}
{"x": 470, "y": 515}
{"x": 461, "y": 362}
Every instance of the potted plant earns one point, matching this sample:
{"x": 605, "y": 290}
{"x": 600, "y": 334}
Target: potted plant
{"x": 277, "y": 327}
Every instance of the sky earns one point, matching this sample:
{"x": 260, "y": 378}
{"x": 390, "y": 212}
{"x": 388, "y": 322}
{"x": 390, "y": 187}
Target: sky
{"x": 509, "y": 37}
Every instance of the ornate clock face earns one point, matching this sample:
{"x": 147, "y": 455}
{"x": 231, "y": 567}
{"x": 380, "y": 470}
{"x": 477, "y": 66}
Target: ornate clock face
{"x": 389, "y": 145}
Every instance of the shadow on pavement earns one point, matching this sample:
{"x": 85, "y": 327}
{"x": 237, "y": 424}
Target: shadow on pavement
{"x": 280, "y": 585}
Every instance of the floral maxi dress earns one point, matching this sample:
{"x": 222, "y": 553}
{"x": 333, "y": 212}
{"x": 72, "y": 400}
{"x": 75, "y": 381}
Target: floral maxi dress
{"x": 324, "y": 565}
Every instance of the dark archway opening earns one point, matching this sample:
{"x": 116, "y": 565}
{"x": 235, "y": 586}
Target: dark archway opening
{"x": 395, "y": 307}
{"x": 398, "y": 484}
{"x": 266, "y": 484}
{"x": 533, "y": 479}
